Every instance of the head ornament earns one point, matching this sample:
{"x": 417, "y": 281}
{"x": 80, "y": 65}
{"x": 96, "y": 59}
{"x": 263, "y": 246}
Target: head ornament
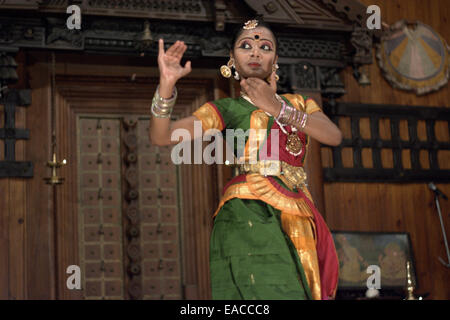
{"x": 250, "y": 24}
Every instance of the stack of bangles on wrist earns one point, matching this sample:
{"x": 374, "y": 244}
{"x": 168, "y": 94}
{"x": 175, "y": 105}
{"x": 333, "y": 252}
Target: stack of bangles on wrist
{"x": 291, "y": 116}
{"x": 162, "y": 108}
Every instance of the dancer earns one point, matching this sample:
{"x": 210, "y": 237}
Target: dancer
{"x": 268, "y": 240}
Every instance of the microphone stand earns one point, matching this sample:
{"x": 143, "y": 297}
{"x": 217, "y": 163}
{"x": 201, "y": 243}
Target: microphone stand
{"x": 436, "y": 199}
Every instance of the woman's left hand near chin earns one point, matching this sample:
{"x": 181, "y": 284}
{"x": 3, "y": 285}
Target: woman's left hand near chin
{"x": 263, "y": 94}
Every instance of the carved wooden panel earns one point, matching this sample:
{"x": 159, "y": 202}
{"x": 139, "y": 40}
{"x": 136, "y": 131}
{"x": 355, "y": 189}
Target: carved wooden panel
{"x": 159, "y": 9}
{"x": 131, "y": 206}
{"x": 304, "y": 12}
{"x": 128, "y": 212}
{"x": 160, "y": 225}
{"x": 409, "y": 149}
{"x": 10, "y": 134}
{"x": 90, "y": 94}
{"x": 99, "y": 208}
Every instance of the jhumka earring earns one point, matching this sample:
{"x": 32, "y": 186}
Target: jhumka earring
{"x": 225, "y": 70}
{"x": 275, "y": 67}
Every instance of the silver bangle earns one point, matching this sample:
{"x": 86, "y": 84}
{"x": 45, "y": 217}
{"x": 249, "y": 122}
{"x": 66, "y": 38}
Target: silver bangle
{"x": 288, "y": 113}
{"x": 162, "y": 102}
{"x": 304, "y": 121}
{"x": 161, "y": 107}
{"x": 160, "y": 116}
{"x": 159, "y": 112}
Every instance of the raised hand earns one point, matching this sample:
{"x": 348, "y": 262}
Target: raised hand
{"x": 263, "y": 94}
{"x": 170, "y": 69}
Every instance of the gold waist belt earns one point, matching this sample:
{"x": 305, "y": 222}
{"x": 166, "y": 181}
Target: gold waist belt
{"x": 292, "y": 176}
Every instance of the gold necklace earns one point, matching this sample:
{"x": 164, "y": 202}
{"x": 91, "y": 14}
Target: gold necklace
{"x": 294, "y": 144}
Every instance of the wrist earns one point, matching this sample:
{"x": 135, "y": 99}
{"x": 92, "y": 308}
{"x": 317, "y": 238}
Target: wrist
{"x": 278, "y": 106}
{"x": 166, "y": 88}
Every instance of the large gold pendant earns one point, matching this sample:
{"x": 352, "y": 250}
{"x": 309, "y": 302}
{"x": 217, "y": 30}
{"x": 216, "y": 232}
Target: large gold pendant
{"x": 294, "y": 144}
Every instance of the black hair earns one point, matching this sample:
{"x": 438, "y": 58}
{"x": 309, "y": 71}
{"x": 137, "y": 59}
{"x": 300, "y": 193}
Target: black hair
{"x": 261, "y": 23}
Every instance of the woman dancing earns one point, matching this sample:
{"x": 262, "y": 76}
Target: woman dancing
{"x": 268, "y": 240}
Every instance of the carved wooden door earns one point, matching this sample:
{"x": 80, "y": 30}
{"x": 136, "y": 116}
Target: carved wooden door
{"x": 137, "y": 225}
{"x": 128, "y": 211}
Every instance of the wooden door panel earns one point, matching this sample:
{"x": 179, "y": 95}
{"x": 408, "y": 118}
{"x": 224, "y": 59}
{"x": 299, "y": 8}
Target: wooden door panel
{"x": 100, "y": 235}
{"x": 72, "y": 223}
{"x": 160, "y": 236}
{"x": 103, "y": 243}
{"x": 122, "y": 199}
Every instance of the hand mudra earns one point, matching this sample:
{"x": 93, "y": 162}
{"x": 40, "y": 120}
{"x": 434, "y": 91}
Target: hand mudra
{"x": 170, "y": 68}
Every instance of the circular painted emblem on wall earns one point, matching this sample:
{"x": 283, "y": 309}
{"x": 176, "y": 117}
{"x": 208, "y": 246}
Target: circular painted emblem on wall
{"x": 414, "y": 57}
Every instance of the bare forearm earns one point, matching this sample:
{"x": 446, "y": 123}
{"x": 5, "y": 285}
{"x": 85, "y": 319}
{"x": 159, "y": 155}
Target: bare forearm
{"x": 165, "y": 88}
{"x": 319, "y": 127}
{"x": 160, "y": 131}
{"x": 316, "y": 125}
{"x": 165, "y": 139}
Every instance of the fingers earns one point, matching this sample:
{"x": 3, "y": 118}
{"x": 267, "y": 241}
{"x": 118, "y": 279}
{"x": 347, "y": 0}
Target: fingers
{"x": 273, "y": 81}
{"x": 177, "y": 49}
{"x": 161, "y": 47}
{"x": 245, "y": 85}
{"x": 187, "y": 68}
{"x": 249, "y": 88}
{"x": 254, "y": 83}
{"x": 257, "y": 83}
{"x": 172, "y": 48}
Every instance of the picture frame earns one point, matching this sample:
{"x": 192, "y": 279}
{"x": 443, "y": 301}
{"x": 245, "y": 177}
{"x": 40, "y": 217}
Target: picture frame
{"x": 388, "y": 250}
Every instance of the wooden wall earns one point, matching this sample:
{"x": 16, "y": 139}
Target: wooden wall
{"x": 25, "y": 250}
{"x": 32, "y": 259}
{"x": 14, "y": 210}
{"x": 398, "y": 207}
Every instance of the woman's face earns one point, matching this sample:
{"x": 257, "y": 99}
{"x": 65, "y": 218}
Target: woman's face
{"x": 254, "y": 53}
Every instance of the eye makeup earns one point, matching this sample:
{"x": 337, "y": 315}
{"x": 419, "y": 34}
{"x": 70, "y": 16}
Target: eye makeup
{"x": 245, "y": 45}
{"x": 269, "y": 47}
{"x": 266, "y": 46}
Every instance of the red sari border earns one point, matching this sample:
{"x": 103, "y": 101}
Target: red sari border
{"x": 237, "y": 179}
{"x": 326, "y": 254}
{"x": 284, "y": 191}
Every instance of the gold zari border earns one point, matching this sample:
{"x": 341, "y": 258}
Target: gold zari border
{"x": 207, "y": 114}
{"x": 296, "y": 218}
